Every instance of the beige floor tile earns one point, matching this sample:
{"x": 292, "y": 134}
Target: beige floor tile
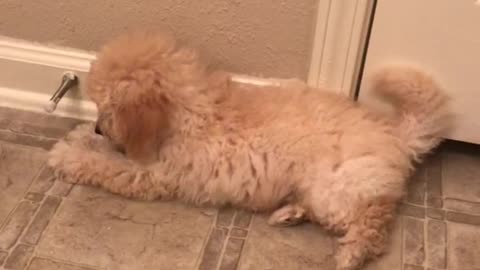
{"x": 36, "y": 124}
{"x": 18, "y": 166}
{"x": 99, "y": 229}
{"x": 463, "y": 247}
{"x": 461, "y": 176}
{"x": 303, "y": 247}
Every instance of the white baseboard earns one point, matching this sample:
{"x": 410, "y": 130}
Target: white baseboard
{"x": 31, "y": 101}
{"x": 30, "y": 74}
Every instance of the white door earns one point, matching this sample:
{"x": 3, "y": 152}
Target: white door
{"x": 444, "y": 37}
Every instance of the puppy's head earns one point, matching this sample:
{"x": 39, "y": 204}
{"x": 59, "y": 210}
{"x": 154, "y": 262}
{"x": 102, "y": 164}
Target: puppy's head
{"x": 135, "y": 82}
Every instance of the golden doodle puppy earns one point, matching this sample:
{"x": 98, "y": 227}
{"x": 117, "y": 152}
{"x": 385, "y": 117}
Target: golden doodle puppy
{"x": 172, "y": 129}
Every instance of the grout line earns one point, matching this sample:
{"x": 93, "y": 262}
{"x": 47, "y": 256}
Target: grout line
{"x": 246, "y": 238}
{"x": 30, "y": 221}
{"x": 205, "y": 242}
{"x": 402, "y": 244}
{"x": 425, "y": 244}
{"x": 30, "y": 134}
{"x": 225, "y": 242}
{"x": 22, "y": 145}
{"x": 425, "y": 187}
{"x": 446, "y": 245}
{"x": 36, "y": 140}
{"x": 39, "y": 172}
{"x": 27, "y": 266}
{"x": 222, "y": 251}
{"x": 53, "y": 259}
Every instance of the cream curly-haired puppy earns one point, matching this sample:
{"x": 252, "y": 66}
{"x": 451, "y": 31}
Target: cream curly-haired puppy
{"x": 191, "y": 134}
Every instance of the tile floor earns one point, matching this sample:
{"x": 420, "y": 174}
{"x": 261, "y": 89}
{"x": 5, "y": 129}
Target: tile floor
{"x": 50, "y": 225}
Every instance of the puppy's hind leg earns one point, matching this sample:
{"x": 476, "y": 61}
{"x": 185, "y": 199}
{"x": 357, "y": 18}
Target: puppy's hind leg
{"x": 366, "y": 236}
{"x": 288, "y": 215}
{"x": 358, "y": 201}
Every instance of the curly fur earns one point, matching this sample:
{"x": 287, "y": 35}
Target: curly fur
{"x": 189, "y": 133}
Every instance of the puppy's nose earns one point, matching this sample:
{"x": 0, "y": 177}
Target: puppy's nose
{"x": 97, "y": 130}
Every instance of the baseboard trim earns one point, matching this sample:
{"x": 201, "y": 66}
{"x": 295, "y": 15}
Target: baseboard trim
{"x": 21, "y": 59}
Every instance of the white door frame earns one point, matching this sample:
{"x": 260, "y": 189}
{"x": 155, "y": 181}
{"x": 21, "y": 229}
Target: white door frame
{"x": 339, "y": 42}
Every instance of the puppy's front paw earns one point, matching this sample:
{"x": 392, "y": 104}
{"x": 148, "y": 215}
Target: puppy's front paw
{"x": 68, "y": 161}
{"x": 58, "y": 154}
{"x": 83, "y": 136}
{"x": 80, "y": 131}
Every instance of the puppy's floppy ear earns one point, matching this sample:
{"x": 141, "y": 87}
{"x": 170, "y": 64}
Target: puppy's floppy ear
{"x": 140, "y": 119}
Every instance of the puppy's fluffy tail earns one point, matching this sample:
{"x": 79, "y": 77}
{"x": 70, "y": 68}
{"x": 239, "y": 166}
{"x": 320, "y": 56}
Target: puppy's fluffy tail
{"x": 422, "y": 107}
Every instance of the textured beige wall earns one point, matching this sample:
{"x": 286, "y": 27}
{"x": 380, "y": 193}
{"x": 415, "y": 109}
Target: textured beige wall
{"x": 259, "y": 37}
